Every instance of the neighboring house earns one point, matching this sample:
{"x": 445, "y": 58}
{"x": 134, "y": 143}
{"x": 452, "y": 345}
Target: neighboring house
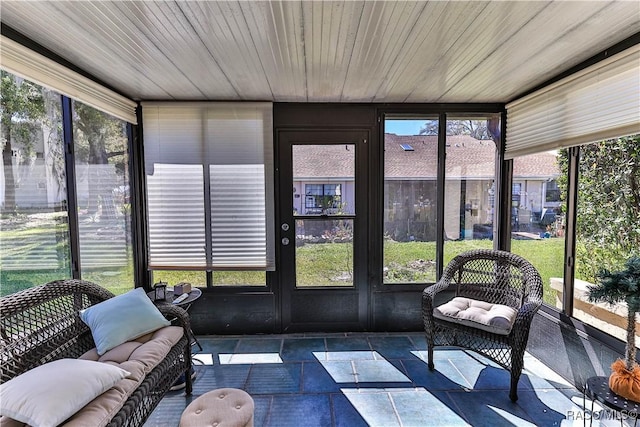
{"x": 324, "y": 183}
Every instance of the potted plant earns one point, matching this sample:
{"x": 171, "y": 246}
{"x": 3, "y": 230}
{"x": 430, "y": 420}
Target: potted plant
{"x": 613, "y": 288}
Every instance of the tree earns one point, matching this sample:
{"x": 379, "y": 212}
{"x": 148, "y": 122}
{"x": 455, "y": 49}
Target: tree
{"x": 608, "y": 214}
{"x": 98, "y": 138}
{"x": 475, "y": 128}
{"x": 21, "y": 112}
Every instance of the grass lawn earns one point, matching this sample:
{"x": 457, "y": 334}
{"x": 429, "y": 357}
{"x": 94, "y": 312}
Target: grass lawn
{"x": 331, "y": 264}
{"x": 547, "y": 256}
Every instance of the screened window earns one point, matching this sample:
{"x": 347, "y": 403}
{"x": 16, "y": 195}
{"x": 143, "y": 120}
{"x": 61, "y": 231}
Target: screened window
{"x": 537, "y": 223}
{"x": 34, "y": 225}
{"x": 469, "y": 186}
{"x": 607, "y": 227}
{"x": 209, "y": 186}
{"x": 410, "y": 200}
{"x": 35, "y": 189}
{"x": 102, "y": 188}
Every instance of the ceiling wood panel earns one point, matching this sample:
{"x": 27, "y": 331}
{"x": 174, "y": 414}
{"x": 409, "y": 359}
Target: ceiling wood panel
{"x": 429, "y": 59}
{"x": 324, "y": 51}
{"x": 554, "y": 24}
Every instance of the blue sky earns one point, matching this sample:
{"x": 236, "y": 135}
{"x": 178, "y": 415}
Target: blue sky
{"x": 403, "y": 127}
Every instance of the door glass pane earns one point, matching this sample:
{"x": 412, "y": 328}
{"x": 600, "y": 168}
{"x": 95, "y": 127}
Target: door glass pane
{"x": 469, "y": 184}
{"x": 410, "y": 200}
{"x": 34, "y": 227}
{"x": 104, "y": 207}
{"x": 324, "y": 184}
{"x": 324, "y": 179}
{"x": 324, "y": 252}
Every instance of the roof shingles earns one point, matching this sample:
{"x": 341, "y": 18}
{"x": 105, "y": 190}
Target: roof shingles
{"x": 467, "y": 158}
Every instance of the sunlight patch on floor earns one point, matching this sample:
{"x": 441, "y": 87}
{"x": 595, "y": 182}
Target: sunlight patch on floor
{"x": 249, "y": 358}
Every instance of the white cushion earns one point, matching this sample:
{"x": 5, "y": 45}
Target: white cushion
{"x": 121, "y": 319}
{"x": 496, "y": 318}
{"x": 51, "y": 393}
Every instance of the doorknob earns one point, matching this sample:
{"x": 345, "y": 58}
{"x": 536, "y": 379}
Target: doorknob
{"x": 285, "y": 241}
{"x": 285, "y": 226}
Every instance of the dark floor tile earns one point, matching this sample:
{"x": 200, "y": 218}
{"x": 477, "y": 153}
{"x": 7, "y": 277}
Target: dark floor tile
{"x": 259, "y": 345}
{"x": 486, "y": 377}
{"x": 481, "y": 409}
{"x": 421, "y": 376}
{"x": 316, "y": 379}
{"x": 374, "y": 379}
{"x": 217, "y": 346}
{"x": 274, "y": 378}
{"x": 549, "y": 407}
{"x": 392, "y": 347}
{"x": 344, "y": 413}
{"x": 169, "y": 411}
{"x": 308, "y": 410}
{"x": 234, "y": 376}
{"x": 359, "y": 343}
{"x": 301, "y": 349}
{"x": 419, "y": 340}
{"x": 262, "y": 406}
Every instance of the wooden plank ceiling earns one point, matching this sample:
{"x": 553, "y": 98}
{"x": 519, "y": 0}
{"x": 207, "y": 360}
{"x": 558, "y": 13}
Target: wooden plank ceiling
{"x": 324, "y": 51}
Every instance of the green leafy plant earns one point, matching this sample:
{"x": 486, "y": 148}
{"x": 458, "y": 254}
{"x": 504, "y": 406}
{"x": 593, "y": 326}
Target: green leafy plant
{"x": 608, "y": 217}
{"x": 619, "y": 286}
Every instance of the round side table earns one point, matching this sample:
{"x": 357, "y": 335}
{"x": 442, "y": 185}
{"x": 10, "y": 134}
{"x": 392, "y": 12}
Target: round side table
{"x": 194, "y": 294}
{"x": 597, "y": 388}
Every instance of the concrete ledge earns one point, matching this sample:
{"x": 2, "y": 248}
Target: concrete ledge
{"x": 611, "y": 319}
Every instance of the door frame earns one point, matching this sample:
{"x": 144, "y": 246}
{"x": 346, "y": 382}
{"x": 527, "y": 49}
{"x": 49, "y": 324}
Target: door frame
{"x": 346, "y": 299}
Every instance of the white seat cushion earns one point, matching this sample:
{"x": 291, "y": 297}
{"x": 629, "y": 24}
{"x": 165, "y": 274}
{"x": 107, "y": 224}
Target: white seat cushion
{"x": 495, "y": 318}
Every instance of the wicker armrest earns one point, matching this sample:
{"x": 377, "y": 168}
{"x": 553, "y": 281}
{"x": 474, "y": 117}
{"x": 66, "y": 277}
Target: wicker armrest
{"x": 525, "y": 314}
{"x": 432, "y": 290}
{"x": 177, "y": 315}
{"x": 429, "y": 294}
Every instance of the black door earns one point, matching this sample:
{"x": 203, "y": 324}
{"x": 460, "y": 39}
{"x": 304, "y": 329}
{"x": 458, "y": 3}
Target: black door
{"x": 322, "y": 230}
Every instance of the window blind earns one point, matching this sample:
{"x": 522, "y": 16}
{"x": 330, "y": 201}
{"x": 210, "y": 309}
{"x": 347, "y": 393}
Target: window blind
{"x": 30, "y": 65}
{"x": 176, "y": 220}
{"x": 598, "y": 103}
{"x": 209, "y": 185}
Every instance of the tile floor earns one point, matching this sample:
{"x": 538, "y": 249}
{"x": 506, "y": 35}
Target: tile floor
{"x": 374, "y": 379}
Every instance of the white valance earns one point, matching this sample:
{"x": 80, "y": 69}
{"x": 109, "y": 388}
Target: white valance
{"x": 24, "y": 62}
{"x": 598, "y": 103}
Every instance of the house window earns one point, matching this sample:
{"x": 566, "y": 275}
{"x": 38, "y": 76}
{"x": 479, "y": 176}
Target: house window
{"x": 322, "y": 198}
{"x": 552, "y": 194}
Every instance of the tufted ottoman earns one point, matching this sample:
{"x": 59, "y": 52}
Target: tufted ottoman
{"x": 223, "y": 407}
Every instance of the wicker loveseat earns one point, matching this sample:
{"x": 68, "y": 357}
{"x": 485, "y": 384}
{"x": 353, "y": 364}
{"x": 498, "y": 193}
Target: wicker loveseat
{"x": 42, "y": 326}
{"x": 496, "y": 294}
